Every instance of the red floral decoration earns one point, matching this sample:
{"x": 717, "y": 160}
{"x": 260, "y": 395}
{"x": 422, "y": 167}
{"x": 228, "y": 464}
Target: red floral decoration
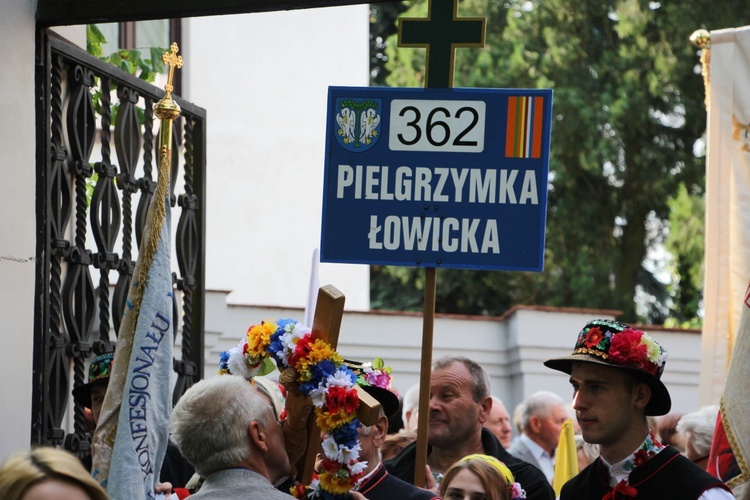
{"x": 341, "y": 397}
{"x": 301, "y": 350}
{"x": 641, "y": 457}
{"x": 626, "y": 349}
{"x": 594, "y": 337}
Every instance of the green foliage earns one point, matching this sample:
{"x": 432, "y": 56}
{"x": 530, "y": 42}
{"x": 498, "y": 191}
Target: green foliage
{"x": 686, "y": 245}
{"x": 628, "y": 110}
{"x": 405, "y": 66}
{"x": 382, "y": 23}
{"x": 129, "y": 60}
{"x": 94, "y": 40}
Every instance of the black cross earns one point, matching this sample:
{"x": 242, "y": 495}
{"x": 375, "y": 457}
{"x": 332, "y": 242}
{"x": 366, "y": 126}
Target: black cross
{"x": 441, "y": 33}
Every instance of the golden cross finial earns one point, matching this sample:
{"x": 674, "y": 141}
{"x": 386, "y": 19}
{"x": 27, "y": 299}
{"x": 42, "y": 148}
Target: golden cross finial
{"x": 173, "y": 60}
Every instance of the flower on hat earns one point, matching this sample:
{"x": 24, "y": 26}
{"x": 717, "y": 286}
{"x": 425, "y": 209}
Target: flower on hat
{"x": 635, "y": 349}
{"x": 594, "y": 337}
{"x": 374, "y": 373}
{"x": 101, "y": 367}
{"x": 622, "y": 346}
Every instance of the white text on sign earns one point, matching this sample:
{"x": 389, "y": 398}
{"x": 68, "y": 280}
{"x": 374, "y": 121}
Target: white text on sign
{"x": 440, "y": 184}
{"x": 427, "y": 125}
{"x": 433, "y": 233}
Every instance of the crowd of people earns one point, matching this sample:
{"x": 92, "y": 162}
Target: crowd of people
{"x": 229, "y": 436}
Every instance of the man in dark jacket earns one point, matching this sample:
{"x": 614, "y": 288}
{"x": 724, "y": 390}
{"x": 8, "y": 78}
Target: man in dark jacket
{"x": 460, "y": 403}
{"x": 616, "y": 373}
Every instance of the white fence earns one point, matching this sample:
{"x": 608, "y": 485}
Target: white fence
{"x": 511, "y": 348}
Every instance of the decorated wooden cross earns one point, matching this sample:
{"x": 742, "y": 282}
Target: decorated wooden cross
{"x": 440, "y": 33}
{"x": 326, "y": 325}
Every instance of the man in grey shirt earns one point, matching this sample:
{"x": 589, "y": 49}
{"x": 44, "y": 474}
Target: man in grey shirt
{"x": 229, "y": 432}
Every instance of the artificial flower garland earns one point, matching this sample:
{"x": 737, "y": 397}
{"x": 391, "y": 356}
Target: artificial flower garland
{"x": 328, "y": 382}
{"x": 629, "y": 348}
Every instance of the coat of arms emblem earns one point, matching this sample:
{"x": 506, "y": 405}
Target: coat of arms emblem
{"x": 358, "y": 123}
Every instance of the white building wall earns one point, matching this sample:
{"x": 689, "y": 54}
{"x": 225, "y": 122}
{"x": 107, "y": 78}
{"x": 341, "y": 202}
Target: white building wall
{"x": 18, "y": 222}
{"x": 263, "y": 79}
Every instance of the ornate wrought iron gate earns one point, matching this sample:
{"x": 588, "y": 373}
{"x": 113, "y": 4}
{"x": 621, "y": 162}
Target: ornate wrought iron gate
{"x": 83, "y": 195}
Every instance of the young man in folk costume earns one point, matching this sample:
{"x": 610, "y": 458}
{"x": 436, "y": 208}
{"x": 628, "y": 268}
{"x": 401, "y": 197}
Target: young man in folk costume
{"x": 615, "y": 372}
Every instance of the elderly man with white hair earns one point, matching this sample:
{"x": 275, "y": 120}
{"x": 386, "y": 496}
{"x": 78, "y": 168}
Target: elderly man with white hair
{"x": 499, "y": 423}
{"x": 229, "y": 432}
{"x": 697, "y": 429}
{"x": 543, "y": 416}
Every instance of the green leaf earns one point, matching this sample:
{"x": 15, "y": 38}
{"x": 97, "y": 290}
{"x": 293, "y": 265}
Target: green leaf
{"x": 266, "y": 366}
{"x": 94, "y": 40}
{"x": 156, "y": 58}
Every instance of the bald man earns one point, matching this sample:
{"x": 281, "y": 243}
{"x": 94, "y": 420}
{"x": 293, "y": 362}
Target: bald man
{"x": 499, "y": 422}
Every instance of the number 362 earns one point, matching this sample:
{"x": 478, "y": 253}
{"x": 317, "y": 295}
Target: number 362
{"x": 424, "y": 125}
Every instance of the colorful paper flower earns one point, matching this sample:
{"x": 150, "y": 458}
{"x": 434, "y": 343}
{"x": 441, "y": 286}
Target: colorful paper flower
{"x": 516, "y": 492}
{"x": 335, "y": 484}
{"x": 328, "y": 382}
{"x": 635, "y": 349}
{"x": 628, "y": 348}
{"x": 258, "y": 338}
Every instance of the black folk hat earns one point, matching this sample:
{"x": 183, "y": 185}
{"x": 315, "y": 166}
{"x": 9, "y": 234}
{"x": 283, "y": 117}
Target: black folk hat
{"x": 100, "y": 370}
{"x": 376, "y": 381}
{"x": 609, "y": 343}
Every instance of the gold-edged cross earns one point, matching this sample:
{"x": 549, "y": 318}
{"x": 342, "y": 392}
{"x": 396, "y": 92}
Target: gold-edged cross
{"x": 441, "y": 32}
{"x": 174, "y": 61}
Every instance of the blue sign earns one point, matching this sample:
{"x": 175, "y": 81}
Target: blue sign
{"x": 436, "y": 177}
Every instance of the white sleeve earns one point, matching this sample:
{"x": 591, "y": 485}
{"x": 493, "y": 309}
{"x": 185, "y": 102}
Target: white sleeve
{"x": 716, "y": 494}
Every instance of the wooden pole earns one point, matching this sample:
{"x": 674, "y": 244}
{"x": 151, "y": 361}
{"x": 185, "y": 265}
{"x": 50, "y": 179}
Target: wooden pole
{"x": 441, "y": 32}
{"x": 428, "y": 325}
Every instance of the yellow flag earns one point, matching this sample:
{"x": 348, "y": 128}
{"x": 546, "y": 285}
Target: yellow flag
{"x": 566, "y": 458}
